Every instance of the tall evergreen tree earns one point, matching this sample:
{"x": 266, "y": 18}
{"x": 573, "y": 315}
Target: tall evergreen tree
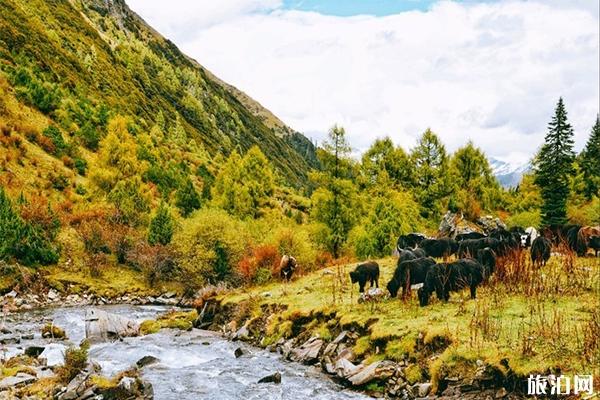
{"x": 161, "y": 227}
{"x": 431, "y": 173}
{"x": 187, "y": 198}
{"x": 590, "y": 162}
{"x": 334, "y": 201}
{"x": 553, "y": 166}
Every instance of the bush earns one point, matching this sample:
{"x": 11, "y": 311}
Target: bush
{"x": 159, "y": 263}
{"x": 258, "y": 266}
{"x": 525, "y": 219}
{"x": 27, "y": 242}
{"x": 75, "y": 361}
{"x": 187, "y": 198}
{"x": 208, "y": 245}
{"x": 80, "y": 165}
{"x": 89, "y": 136}
{"x": 54, "y": 135}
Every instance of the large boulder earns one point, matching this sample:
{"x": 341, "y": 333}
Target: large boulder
{"x": 308, "y": 353}
{"x": 101, "y": 326}
{"x": 377, "y": 371}
{"x": 453, "y": 224}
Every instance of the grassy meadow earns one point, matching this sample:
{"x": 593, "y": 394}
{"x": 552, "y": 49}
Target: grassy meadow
{"x": 524, "y": 320}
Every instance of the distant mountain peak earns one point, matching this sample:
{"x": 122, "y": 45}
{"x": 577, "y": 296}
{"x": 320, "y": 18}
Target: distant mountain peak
{"x": 508, "y": 174}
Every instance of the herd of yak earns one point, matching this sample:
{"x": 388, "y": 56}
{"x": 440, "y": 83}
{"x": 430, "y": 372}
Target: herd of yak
{"x": 477, "y": 254}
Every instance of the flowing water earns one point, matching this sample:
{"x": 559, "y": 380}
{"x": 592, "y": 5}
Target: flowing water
{"x": 193, "y": 365}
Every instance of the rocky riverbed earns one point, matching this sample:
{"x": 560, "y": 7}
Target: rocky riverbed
{"x": 170, "y": 364}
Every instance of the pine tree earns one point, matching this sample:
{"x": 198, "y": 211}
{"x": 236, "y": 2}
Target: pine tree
{"x": 334, "y": 202}
{"x": 187, "y": 198}
{"x": 590, "y": 162}
{"x": 553, "y": 166}
{"x": 431, "y": 173}
{"x": 161, "y": 227}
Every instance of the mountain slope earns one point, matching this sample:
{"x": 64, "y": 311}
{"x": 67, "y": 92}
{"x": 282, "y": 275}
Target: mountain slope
{"x": 508, "y": 175}
{"x": 78, "y": 61}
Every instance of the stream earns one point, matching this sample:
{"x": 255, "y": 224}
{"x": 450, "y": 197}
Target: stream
{"x": 193, "y": 365}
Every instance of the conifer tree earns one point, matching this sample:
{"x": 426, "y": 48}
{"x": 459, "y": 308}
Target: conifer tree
{"x": 553, "y": 167}
{"x": 590, "y": 162}
{"x": 161, "y": 227}
{"x": 187, "y": 198}
{"x": 431, "y": 173}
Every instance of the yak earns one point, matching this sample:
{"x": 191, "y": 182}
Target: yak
{"x": 540, "y": 250}
{"x": 287, "y": 266}
{"x": 368, "y": 271}
{"x": 409, "y": 273}
{"x": 409, "y": 241}
{"x": 595, "y": 244}
{"x": 442, "y": 247}
{"x": 487, "y": 258}
{"x": 451, "y": 277}
{"x": 469, "y": 235}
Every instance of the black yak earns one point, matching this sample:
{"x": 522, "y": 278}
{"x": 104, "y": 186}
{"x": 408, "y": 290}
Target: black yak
{"x": 442, "y": 247}
{"x": 595, "y": 244}
{"x": 540, "y": 250}
{"x": 287, "y": 265}
{"x": 469, "y": 235}
{"x": 487, "y": 258}
{"x": 452, "y": 277}
{"x": 368, "y": 271}
{"x": 409, "y": 241}
{"x": 409, "y": 273}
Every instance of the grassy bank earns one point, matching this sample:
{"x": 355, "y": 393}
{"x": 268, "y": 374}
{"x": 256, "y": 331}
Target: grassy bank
{"x": 523, "y": 321}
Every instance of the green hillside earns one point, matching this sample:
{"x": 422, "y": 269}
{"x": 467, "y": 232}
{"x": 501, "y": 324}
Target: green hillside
{"x": 78, "y": 63}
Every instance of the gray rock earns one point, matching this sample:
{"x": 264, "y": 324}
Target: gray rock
{"x": 378, "y": 370}
{"x": 102, "y": 326}
{"x": 11, "y": 294}
{"x": 424, "y": 389}
{"x": 127, "y": 383}
{"x": 274, "y": 378}
{"x": 238, "y": 352}
{"x": 345, "y": 368}
{"x": 53, "y": 354}
{"x": 27, "y": 336}
{"x": 308, "y": 353}
{"x": 53, "y": 295}
{"x": 146, "y": 360}
{"x": 242, "y": 334}
{"x": 10, "y": 339}
{"x": 19, "y": 379}
{"x": 76, "y": 387}
{"x": 501, "y": 393}
{"x": 340, "y": 338}
{"x": 169, "y": 295}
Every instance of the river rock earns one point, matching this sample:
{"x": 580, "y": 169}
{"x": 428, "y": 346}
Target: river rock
{"x": 146, "y": 360}
{"x": 308, "y": 352}
{"x": 34, "y": 351}
{"x": 378, "y": 370}
{"x": 242, "y": 334}
{"x": 53, "y": 295}
{"x": 424, "y": 389}
{"x": 127, "y": 383}
{"x": 101, "y": 326}
{"x": 10, "y": 339}
{"x": 345, "y": 368}
{"x": 53, "y": 354}
{"x": 341, "y": 337}
{"x": 17, "y": 380}
{"x": 76, "y": 387}
{"x": 273, "y": 378}
{"x": 238, "y": 352}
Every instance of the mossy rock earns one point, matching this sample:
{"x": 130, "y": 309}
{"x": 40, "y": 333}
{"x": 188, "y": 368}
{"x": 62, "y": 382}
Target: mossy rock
{"x": 53, "y": 331}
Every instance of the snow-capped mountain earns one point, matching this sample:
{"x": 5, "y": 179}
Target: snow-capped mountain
{"x": 508, "y": 174}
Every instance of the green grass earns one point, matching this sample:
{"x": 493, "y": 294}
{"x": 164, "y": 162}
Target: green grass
{"x": 491, "y": 328}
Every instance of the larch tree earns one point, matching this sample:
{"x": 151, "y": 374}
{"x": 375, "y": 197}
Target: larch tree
{"x": 554, "y": 166}
{"x": 590, "y": 162}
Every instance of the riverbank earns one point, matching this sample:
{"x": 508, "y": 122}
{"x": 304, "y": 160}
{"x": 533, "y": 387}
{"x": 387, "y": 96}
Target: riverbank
{"x": 463, "y": 349}
{"x": 543, "y": 322}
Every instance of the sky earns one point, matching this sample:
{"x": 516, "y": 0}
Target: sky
{"x": 488, "y": 71}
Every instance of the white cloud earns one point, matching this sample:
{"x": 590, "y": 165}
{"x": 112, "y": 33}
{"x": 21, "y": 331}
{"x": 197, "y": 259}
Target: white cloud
{"x": 488, "y": 72}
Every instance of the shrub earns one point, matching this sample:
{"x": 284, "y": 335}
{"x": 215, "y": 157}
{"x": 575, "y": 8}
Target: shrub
{"x": 80, "y": 165}
{"x": 26, "y": 242}
{"x": 208, "y": 245}
{"x": 159, "y": 263}
{"x": 258, "y": 266}
{"x": 75, "y": 361}
{"x": 53, "y": 134}
{"x": 89, "y": 136}
{"x": 96, "y": 236}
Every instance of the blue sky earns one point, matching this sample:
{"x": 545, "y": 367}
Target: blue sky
{"x": 346, "y": 8}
